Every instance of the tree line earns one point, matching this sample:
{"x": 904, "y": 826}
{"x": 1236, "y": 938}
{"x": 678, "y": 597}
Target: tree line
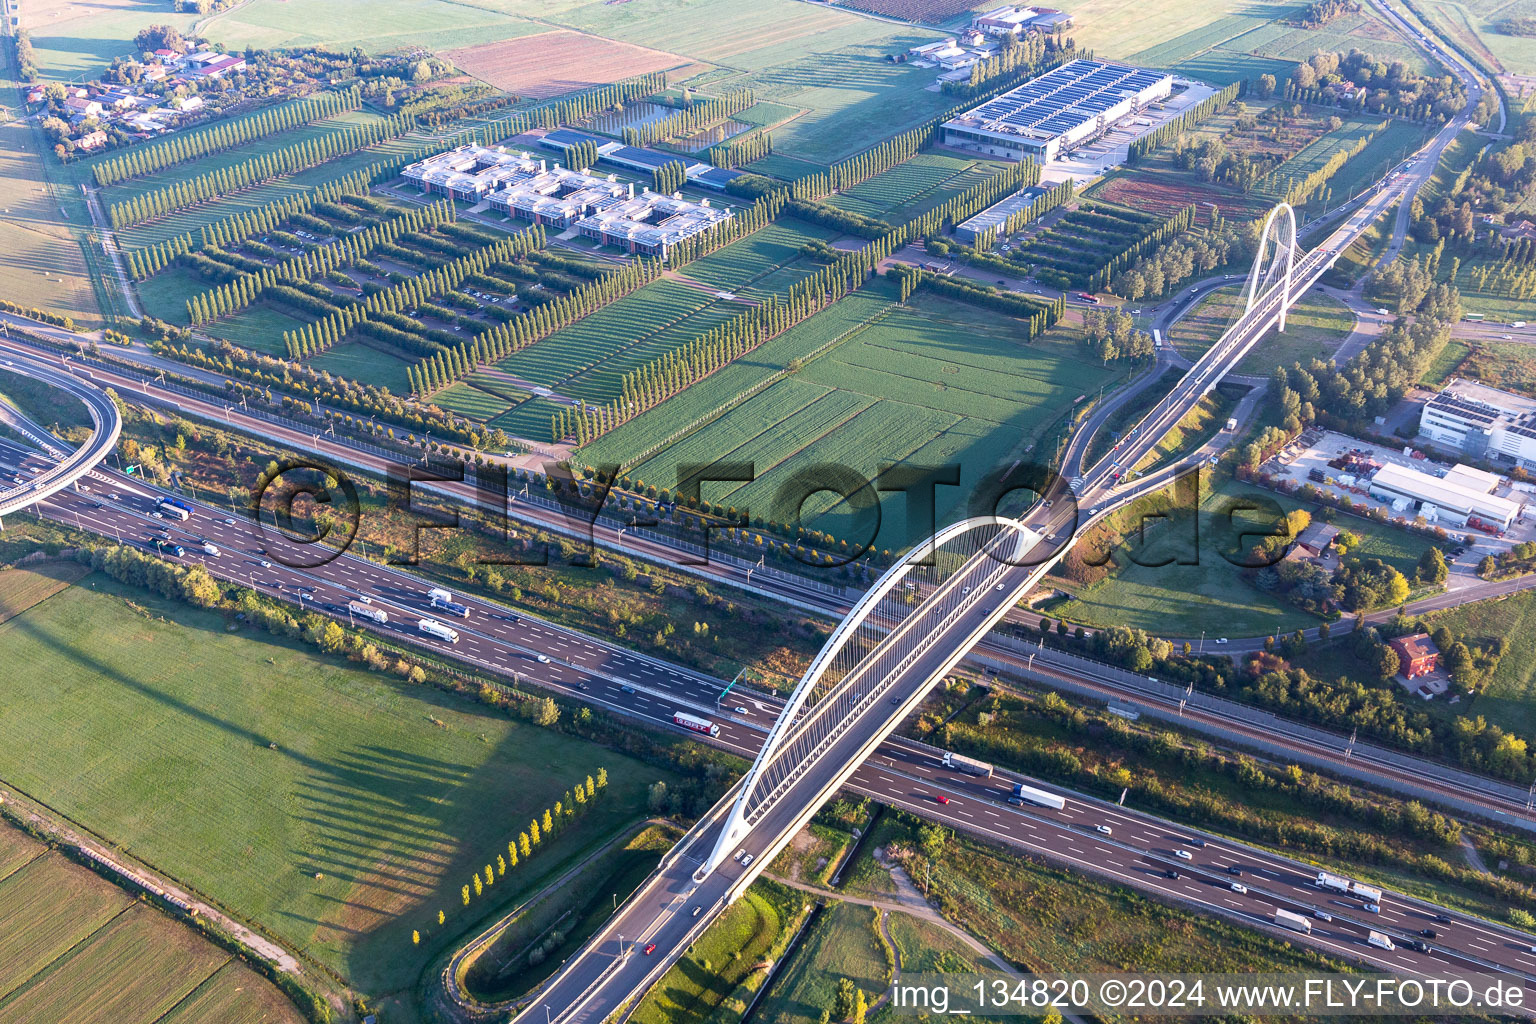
{"x": 698, "y": 115}
{"x": 1139, "y": 148}
{"x": 253, "y": 170}
{"x": 235, "y": 295}
{"x": 1159, "y": 272}
{"x": 184, "y": 146}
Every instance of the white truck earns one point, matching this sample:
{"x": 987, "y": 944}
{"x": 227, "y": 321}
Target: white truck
{"x": 432, "y": 627}
{"x": 968, "y": 765}
{"x": 1332, "y": 882}
{"x": 438, "y": 596}
{"x": 368, "y": 612}
{"x": 443, "y": 601}
{"x": 1380, "y": 940}
{"x": 210, "y": 548}
{"x": 1295, "y": 922}
{"x": 1368, "y": 893}
{"x": 1039, "y": 797}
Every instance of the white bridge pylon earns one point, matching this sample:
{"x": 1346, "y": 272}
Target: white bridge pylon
{"x": 1285, "y": 253}
{"x": 824, "y": 699}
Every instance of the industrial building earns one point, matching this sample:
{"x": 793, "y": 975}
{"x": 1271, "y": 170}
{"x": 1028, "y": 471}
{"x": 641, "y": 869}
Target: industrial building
{"x": 1012, "y": 20}
{"x": 996, "y": 215}
{"x": 599, "y": 207}
{"x": 1459, "y": 496}
{"x": 1482, "y": 422}
{"x": 1057, "y": 111}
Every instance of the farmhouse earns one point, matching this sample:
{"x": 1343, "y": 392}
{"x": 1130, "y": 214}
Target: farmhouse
{"x": 1057, "y": 111}
{"x": 92, "y": 140}
{"x": 1482, "y": 421}
{"x": 1417, "y": 655}
{"x": 83, "y": 107}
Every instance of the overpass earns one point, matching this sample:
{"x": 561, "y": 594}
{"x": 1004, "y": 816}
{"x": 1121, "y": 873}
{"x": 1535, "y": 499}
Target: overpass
{"x": 910, "y": 629}
{"x": 69, "y": 467}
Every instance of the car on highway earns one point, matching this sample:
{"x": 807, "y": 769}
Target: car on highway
{"x": 1506, "y": 337}
{"x": 1234, "y": 869}
{"x": 1383, "y": 312}
{"x": 1015, "y": 801}
{"x": 227, "y": 521}
{"x": 697, "y": 911}
{"x": 1173, "y": 873}
{"x": 896, "y": 699}
{"x": 1442, "y": 918}
{"x": 581, "y": 685}
{"x": 626, "y": 688}
{"x": 747, "y": 860}
{"x": 650, "y": 947}
{"x": 1239, "y": 887}
{"x": 1322, "y": 915}
{"x": 740, "y": 854}
{"x": 1373, "y": 908}
{"x": 264, "y": 563}
{"x": 1429, "y": 933}
{"x": 998, "y": 587}
{"x": 1418, "y": 945}
{"x": 739, "y": 710}
{"x": 941, "y": 799}
{"x": 157, "y": 515}
{"x": 306, "y": 596}
{"x": 1196, "y": 841}
{"x": 1104, "y": 830}
{"x": 1183, "y": 855}
{"x": 542, "y": 659}
{"x": 1221, "y": 639}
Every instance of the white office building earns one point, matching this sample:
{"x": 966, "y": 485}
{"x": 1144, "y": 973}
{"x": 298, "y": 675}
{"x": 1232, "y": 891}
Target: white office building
{"x": 1454, "y": 498}
{"x": 1483, "y": 422}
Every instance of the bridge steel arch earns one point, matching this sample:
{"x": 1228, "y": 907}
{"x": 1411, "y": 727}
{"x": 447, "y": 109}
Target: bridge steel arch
{"x": 1285, "y": 250}
{"x": 106, "y": 424}
{"x": 821, "y": 701}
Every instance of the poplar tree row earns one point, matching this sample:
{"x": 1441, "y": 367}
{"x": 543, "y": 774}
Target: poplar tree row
{"x": 254, "y": 170}
{"x": 759, "y": 215}
{"x": 236, "y": 295}
{"x": 1178, "y": 223}
{"x": 1185, "y": 121}
{"x": 440, "y": 369}
{"x": 669, "y": 177}
{"x": 701, "y": 113}
{"x": 184, "y": 146}
{"x": 146, "y": 261}
{"x": 316, "y": 337}
{"x": 739, "y": 151}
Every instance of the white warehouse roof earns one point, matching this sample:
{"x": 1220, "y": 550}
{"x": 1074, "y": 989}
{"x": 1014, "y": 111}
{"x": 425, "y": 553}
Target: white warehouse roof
{"x": 1445, "y": 492}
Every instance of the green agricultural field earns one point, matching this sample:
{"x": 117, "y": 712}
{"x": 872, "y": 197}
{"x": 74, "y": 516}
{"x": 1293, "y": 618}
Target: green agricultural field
{"x": 933, "y": 383}
{"x": 360, "y": 361}
{"x": 337, "y": 808}
{"x": 375, "y": 25}
{"x": 1314, "y": 328}
{"x": 73, "y": 39}
{"x": 123, "y": 191}
{"x": 1214, "y": 595}
{"x": 1390, "y": 145}
{"x": 259, "y": 328}
{"x": 840, "y": 943}
{"x": 75, "y": 947}
{"x": 1316, "y": 154}
{"x": 43, "y": 264}
{"x": 913, "y": 187}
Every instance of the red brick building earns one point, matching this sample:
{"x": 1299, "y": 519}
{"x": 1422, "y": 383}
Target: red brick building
{"x": 1418, "y": 655}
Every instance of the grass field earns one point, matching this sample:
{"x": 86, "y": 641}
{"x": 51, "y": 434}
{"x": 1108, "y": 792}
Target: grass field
{"x": 337, "y": 808}
{"x": 913, "y": 187}
{"x": 934, "y": 383}
{"x": 1510, "y": 699}
{"x": 76, "y": 38}
{"x": 839, "y": 943}
{"x": 375, "y": 25}
{"x": 1315, "y": 326}
{"x": 75, "y": 947}
{"x": 1214, "y": 595}
{"x": 44, "y": 264}
{"x": 358, "y": 361}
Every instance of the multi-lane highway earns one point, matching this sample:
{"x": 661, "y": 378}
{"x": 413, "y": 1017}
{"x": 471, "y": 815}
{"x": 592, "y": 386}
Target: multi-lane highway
{"x": 65, "y": 467}
{"x": 900, "y": 772}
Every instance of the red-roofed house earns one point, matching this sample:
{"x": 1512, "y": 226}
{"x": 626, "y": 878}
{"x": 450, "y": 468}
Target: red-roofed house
{"x": 92, "y": 140}
{"x": 1417, "y": 653}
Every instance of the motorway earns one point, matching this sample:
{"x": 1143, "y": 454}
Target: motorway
{"x": 902, "y": 773}
{"x": 64, "y": 468}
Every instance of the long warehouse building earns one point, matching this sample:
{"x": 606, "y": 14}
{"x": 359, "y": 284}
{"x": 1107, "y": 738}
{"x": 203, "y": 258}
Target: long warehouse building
{"x": 1460, "y": 495}
{"x": 1057, "y": 111}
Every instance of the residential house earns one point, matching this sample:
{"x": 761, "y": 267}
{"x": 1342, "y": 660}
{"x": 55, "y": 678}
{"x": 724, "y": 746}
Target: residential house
{"x": 1417, "y": 653}
{"x": 92, "y": 141}
{"x": 83, "y": 107}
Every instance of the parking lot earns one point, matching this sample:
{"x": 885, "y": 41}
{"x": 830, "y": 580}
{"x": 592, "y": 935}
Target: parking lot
{"x": 1297, "y": 463}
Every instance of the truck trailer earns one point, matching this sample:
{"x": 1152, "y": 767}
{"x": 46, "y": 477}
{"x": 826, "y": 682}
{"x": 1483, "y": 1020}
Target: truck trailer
{"x": 432, "y": 627}
{"x": 1295, "y": 922}
{"x": 968, "y": 765}
{"x": 1037, "y": 796}
{"x": 368, "y": 612}
{"x": 1380, "y": 940}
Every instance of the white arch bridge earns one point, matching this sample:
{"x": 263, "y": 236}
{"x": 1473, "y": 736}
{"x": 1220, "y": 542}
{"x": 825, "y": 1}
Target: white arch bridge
{"x": 911, "y": 628}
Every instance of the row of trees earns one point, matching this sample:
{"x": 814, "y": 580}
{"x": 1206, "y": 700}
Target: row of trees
{"x": 541, "y": 828}
{"x": 1025, "y": 55}
{"x": 1176, "y": 224}
{"x": 240, "y": 292}
{"x": 740, "y": 150}
{"x": 322, "y": 334}
{"x": 183, "y": 146}
{"x": 581, "y": 155}
{"x": 442, "y": 368}
{"x": 698, "y": 114}
{"x": 253, "y": 170}
{"x": 1038, "y": 315}
{"x": 1111, "y": 335}
{"x": 1139, "y": 148}
{"x": 669, "y": 177}
{"x": 146, "y": 261}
